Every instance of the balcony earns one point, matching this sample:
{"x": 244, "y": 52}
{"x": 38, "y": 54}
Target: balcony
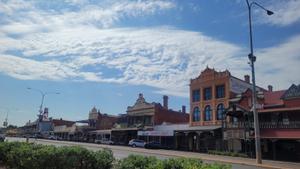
{"x": 265, "y": 125}
{"x": 280, "y": 125}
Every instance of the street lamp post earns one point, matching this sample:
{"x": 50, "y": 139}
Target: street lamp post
{"x": 252, "y": 59}
{"x": 43, "y": 94}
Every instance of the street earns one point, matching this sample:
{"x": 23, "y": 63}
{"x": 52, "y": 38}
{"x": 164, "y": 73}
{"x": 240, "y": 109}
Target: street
{"x": 123, "y": 151}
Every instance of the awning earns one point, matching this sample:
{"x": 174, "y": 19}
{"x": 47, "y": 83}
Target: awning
{"x": 278, "y": 109}
{"x": 100, "y": 132}
{"x": 155, "y": 133}
{"x": 124, "y": 129}
{"x": 200, "y": 128}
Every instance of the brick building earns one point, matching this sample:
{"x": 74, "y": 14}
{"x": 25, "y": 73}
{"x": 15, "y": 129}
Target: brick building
{"x": 210, "y": 94}
{"x": 143, "y": 116}
{"x": 101, "y": 121}
{"x": 279, "y": 122}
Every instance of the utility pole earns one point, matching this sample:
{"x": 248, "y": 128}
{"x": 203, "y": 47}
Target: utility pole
{"x": 252, "y": 59}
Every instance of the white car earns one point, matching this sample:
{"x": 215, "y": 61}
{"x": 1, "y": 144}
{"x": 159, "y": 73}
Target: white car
{"x": 104, "y": 142}
{"x": 136, "y": 143}
{"x": 52, "y": 137}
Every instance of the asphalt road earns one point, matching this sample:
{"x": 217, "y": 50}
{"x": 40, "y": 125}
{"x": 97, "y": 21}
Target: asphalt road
{"x": 123, "y": 151}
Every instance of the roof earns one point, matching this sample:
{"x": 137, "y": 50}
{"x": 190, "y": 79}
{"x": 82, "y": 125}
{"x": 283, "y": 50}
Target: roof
{"x": 273, "y": 97}
{"x": 238, "y": 85}
{"x": 292, "y": 92}
{"x": 60, "y": 122}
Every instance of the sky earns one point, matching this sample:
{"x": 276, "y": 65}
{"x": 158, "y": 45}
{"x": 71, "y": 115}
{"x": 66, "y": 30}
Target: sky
{"x": 104, "y": 53}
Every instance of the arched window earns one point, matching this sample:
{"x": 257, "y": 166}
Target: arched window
{"x": 208, "y": 114}
{"x": 196, "y": 114}
{"x": 220, "y": 109}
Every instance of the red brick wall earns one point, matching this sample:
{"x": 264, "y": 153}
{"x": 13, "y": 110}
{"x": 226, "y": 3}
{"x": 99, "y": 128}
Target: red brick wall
{"x": 105, "y": 122}
{"x": 164, "y": 115}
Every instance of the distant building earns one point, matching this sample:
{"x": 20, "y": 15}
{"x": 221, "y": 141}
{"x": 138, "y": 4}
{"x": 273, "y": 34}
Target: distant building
{"x": 101, "y": 121}
{"x": 84, "y": 130}
{"x": 41, "y": 126}
{"x": 143, "y": 116}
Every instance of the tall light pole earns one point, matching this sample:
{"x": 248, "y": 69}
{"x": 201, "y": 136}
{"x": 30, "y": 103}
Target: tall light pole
{"x": 43, "y": 94}
{"x": 252, "y": 59}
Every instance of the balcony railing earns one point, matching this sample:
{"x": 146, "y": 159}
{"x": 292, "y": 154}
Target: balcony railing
{"x": 265, "y": 125}
{"x": 281, "y": 125}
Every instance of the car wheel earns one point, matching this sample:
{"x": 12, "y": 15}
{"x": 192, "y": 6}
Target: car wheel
{"x": 133, "y": 145}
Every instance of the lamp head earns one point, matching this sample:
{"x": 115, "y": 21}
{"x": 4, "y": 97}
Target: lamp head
{"x": 270, "y": 12}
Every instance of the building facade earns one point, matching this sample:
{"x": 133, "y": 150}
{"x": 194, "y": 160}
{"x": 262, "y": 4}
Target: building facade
{"x": 210, "y": 94}
{"x": 279, "y": 122}
{"x": 143, "y": 116}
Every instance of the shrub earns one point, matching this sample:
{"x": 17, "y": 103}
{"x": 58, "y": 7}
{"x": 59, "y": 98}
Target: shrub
{"x": 182, "y": 163}
{"x": 17, "y": 155}
{"x": 32, "y": 156}
{"x": 5, "y": 148}
{"x": 21, "y": 157}
{"x": 103, "y": 159}
{"x": 138, "y": 162}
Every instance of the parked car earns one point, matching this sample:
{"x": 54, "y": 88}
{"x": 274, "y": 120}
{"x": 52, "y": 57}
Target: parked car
{"x": 153, "y": 145}
{"x": 136, "y": 143}
{"x": 59, "y": 138}
{"x": 52, "y": 137}
{"x": 156, "y": 145}
{"x": 2, "y": 137}
{"x": 104, "y": 142}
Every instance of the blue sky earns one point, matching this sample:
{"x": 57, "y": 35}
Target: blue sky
{"x": 103, "y": 53}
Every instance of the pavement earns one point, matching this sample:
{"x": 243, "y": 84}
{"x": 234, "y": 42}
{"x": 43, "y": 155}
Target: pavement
{"x": 123, "y": 151}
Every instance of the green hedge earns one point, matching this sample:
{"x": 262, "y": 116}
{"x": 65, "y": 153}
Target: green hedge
{"x": 141, "y": 162}
{"x": 226, "y": 153}
{"x": 17, "y": 155}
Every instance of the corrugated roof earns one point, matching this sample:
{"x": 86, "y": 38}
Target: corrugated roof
{"x": 273, "y": 98}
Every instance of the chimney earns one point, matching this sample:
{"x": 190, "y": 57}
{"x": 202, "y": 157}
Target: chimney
{"x": 183, "y": 109}
{"x": 270, "y": 88}
{"x": 247, "y": 78}
{"x": 165, "y": 98}
{"x": 140, "y": 95}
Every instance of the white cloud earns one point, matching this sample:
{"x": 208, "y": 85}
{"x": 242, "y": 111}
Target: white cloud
{"x": 279, "y": 65}
{"x": 164, "y": 58}
{"x": 61, "y": 45}
{"x": 23, "y": 17}
{"x": 285, "y": 12}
